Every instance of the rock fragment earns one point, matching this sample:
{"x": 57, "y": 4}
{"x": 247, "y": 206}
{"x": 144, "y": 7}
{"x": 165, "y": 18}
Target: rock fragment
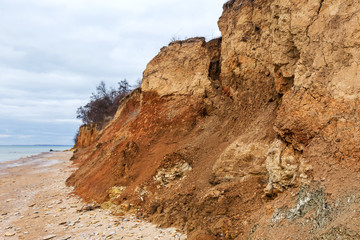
{"x": 9, "y": 234}
{"x": 49, "y": 237}
{"x": 65, "y": 238}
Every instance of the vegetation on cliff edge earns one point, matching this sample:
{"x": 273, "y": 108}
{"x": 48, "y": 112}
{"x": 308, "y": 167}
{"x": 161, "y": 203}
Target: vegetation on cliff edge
{"x": 103, "y": 104}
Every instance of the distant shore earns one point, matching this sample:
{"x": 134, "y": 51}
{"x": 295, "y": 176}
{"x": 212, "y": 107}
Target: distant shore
{"x": 36, "y": 204}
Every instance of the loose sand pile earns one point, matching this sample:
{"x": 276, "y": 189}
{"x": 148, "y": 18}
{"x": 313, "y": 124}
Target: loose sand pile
{"x": 36, "y": 204}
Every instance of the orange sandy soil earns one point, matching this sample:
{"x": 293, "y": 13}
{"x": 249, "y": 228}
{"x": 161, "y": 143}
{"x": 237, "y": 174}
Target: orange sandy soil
{"x": 36, "y": 204}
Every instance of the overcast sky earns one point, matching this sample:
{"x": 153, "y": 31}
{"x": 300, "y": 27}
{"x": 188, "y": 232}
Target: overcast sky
{"x": 53, "y": 53}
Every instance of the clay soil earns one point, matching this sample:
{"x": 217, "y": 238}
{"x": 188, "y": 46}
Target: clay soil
{"x": 166, "y": 131}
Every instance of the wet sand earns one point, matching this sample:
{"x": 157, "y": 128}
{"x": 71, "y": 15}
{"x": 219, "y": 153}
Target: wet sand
{"x": 36, "y": 204}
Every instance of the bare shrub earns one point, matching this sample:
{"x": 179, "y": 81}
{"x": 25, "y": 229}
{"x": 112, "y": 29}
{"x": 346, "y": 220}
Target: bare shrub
{"x": 103, "y": 104}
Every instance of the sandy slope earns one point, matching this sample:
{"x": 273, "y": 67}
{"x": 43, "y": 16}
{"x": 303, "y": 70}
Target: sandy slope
{"x": 36, "y": 204}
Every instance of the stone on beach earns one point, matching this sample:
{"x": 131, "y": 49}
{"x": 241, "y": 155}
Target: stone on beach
{"x": 9, "y": 234}
{"x": 49, "y": 237}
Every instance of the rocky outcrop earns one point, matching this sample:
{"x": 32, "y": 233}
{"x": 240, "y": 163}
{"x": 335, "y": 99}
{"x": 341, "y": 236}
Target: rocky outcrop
{"x": 286, "y": 168}
{"x": 183, "y": 68}
{"x": 251, "y": 136}
{"x": 309, "y": 49}
{"x": 239, "y": 161}
{"x": 174, "y": 167}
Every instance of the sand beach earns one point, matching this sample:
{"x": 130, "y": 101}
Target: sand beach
{"x": 36, "y": 204}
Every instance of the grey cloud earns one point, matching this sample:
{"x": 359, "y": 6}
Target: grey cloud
{"x": 54, "y": 53}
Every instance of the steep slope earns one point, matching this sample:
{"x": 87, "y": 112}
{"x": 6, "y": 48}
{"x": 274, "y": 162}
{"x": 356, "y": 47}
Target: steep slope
{"x": 254, "y": 135}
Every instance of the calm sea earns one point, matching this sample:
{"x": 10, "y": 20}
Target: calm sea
{"x": 14, "y": 152}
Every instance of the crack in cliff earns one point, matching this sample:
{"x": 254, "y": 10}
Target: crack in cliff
{"x": 320, "y": 6}
{"x": 314, "y": 18}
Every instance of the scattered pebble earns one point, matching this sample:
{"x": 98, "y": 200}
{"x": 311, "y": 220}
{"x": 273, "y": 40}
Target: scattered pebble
{"x": 9, "y": 234}
{"x": 49, "y": 237}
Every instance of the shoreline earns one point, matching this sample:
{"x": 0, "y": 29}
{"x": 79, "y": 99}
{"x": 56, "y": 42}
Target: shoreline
{"x": 26, "y": 161}
{"x": 14, "y": 153}
{"x": 36, "y": 204}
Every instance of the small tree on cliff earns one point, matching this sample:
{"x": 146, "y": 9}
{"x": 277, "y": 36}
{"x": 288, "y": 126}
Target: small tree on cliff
{"x": 103, "y": 104}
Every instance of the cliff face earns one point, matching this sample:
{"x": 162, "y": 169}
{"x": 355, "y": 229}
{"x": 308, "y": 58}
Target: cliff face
{"x": 87, "y": 135}
{"x": 175, "y": 71}
{"x": 255, "y": 135}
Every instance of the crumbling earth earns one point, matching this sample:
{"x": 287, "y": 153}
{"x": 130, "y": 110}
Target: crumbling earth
{"x": 253, "y": 135}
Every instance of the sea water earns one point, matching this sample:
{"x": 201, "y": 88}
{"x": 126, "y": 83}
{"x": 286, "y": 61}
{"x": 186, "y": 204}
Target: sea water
{"x": 14, "y": 152}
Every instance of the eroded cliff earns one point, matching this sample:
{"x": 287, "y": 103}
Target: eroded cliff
{"x": 86, "y": 136}
{"x": 251, "y": 136}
